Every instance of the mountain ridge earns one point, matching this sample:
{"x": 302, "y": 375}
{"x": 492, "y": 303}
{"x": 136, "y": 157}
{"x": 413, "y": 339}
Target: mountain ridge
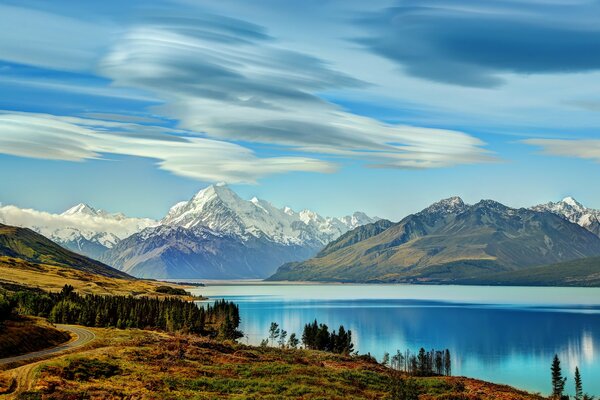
{"x": 450, "y": 240}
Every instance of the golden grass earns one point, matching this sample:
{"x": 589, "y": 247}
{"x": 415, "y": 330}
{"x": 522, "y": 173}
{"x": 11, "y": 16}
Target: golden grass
{"x": 53, "y": 278}
{"x": 153, "y": 365}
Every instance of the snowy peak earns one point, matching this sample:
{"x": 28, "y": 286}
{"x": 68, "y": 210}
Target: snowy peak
{"x": 220, "y": 209}
{"x": 447, "y": 206}
{"x": 78, "y": 226}
{"x": 571, "y": 202}
{"x": 80, "y": 209}
{"x": 574, "y": 211}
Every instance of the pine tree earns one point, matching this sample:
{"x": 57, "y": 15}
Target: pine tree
{"x": 447, "y": 363}
{"x": 386, "y": 359}
{"x": 282, "y": 337}
{"x": 578, "y": 385}
{"x": 293, "y": 341}
{"x": 558, "y": 382}
{"x": 273, "y": 332}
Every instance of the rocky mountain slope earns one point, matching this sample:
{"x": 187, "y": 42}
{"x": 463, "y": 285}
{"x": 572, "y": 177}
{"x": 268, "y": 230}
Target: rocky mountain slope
{"x": 575, "y": 212}
{"x": 218, "y": 235}
{"x": 447, "y": 241}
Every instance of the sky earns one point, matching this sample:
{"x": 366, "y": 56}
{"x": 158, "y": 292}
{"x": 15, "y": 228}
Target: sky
{"x": 336, "y": 106}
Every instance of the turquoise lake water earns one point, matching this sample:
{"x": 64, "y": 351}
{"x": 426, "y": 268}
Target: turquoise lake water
{"x": 501, "y": 334}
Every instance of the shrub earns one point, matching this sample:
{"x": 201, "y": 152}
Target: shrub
{"x": 84, "y": 369}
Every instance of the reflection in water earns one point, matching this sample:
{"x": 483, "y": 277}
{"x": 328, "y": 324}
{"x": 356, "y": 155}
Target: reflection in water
{"x": 501, "y": 343}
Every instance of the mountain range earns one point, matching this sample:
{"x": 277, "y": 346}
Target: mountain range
{"x": 81, "y": 228}
{"x": 451, "y": 241}
{"x": 214, "y": 235}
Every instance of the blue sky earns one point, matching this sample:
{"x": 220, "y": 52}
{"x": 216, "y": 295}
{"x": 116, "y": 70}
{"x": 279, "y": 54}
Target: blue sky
{"x": 382, "y": 106}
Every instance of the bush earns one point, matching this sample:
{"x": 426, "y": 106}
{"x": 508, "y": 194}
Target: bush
{"x": 84, "y": 369}
{"x": 171, "y": 291}
{"x": 5, "y": 308}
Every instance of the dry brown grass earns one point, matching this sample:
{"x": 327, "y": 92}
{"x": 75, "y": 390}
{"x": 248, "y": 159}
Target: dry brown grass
{"x": 53, "y": 278}
{"x": 154, "y": 365}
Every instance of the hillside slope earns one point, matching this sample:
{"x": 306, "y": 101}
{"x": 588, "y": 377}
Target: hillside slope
{"x": 25, "y": 244}
{"x": 580, "y": 272}
{"x": 451, "y": 241}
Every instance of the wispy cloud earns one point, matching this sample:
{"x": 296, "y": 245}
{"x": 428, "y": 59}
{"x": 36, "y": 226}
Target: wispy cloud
{"x": 77, "y": 139}
{"x": 238, "y": 84}
{"x": 226, "y": 82}
{"x": 472, "y": 43}
{"x": 578, "y": 148}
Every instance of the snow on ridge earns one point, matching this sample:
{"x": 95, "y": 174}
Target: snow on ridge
{"x": 77, "y": 222}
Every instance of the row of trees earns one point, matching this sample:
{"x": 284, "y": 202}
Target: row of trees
{"x": 315, "y": 336}
{"x": 423, "y": 363}
{"x": 169, "y": 314}
{"x": 559, "y": 382}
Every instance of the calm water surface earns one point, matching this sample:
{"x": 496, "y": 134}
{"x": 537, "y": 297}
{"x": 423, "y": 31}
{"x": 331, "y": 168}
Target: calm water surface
{"x": 501, "y": 334}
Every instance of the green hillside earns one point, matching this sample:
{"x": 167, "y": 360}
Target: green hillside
{"x": 25, "y": 244}
{"x": 581, "y": 272}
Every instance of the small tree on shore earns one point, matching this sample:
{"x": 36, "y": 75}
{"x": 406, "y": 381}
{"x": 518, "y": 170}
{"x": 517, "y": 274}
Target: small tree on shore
{"x": 282, "y": 337}
{"x": 558, "y": 382}
{"x": 293, "y": 341}
{"x": 273, "y": 332}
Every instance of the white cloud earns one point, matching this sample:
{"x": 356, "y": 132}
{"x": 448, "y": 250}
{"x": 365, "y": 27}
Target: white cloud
{"x": 238, "y": 85}
{"x": 76, "y": 139}
{"x": 57, "y": 226}
{"x": 578, "y": 148}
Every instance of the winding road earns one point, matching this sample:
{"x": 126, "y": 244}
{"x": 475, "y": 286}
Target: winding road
{"x": 23, "y": 376}
{"x": 83, "y": 337}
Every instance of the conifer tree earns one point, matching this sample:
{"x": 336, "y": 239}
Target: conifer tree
{"x": 578, "y": 385}
{"x": 558, "y": 382}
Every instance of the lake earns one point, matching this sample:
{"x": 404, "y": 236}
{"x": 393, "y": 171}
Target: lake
{"x": 500, "y": 334}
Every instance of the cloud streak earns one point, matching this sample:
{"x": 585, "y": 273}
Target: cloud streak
{"x": 77, "y": 139}
{"x": 473, "y": 43}
{"x": 575, "y": 148}
{"x": 237, "y": 84}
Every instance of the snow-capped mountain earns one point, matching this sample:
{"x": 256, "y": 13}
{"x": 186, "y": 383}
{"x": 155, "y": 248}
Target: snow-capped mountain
{"x": 81, "y": 228}
{"x": 220, "y": 209}
{"x": 218, "y": 235}
{"x": 575, "y": 212}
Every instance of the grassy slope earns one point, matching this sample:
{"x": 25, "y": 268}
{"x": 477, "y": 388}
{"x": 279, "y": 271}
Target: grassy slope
{"x": 26, "y": 244}
{"x": 157, "y": 366}
{"x": 582, "y": 272}
{"x": 53, "y": 278}
{"x": 28, "y": 334}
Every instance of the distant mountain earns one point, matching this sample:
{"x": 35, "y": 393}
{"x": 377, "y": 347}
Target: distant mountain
{"x": 575, "y": 212}
{"x": 30, "y": 246}
{"x": 218, "y": 235}
{"x": 449, "y": 241}
{"x": 81, "y": 228}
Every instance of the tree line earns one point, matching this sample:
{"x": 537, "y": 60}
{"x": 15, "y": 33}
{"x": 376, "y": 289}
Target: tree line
{"x": 559, "y": 382}
{"x": 315, "y": 336}
{"x": 423, "y": 363}
{"x": 169, "y": 314}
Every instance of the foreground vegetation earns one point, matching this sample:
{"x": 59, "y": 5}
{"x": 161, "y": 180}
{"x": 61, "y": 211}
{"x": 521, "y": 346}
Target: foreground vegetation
{"x": 27, "y": 334}
{"x": 154, "y": 365}
{"x": 168, "y": 314}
